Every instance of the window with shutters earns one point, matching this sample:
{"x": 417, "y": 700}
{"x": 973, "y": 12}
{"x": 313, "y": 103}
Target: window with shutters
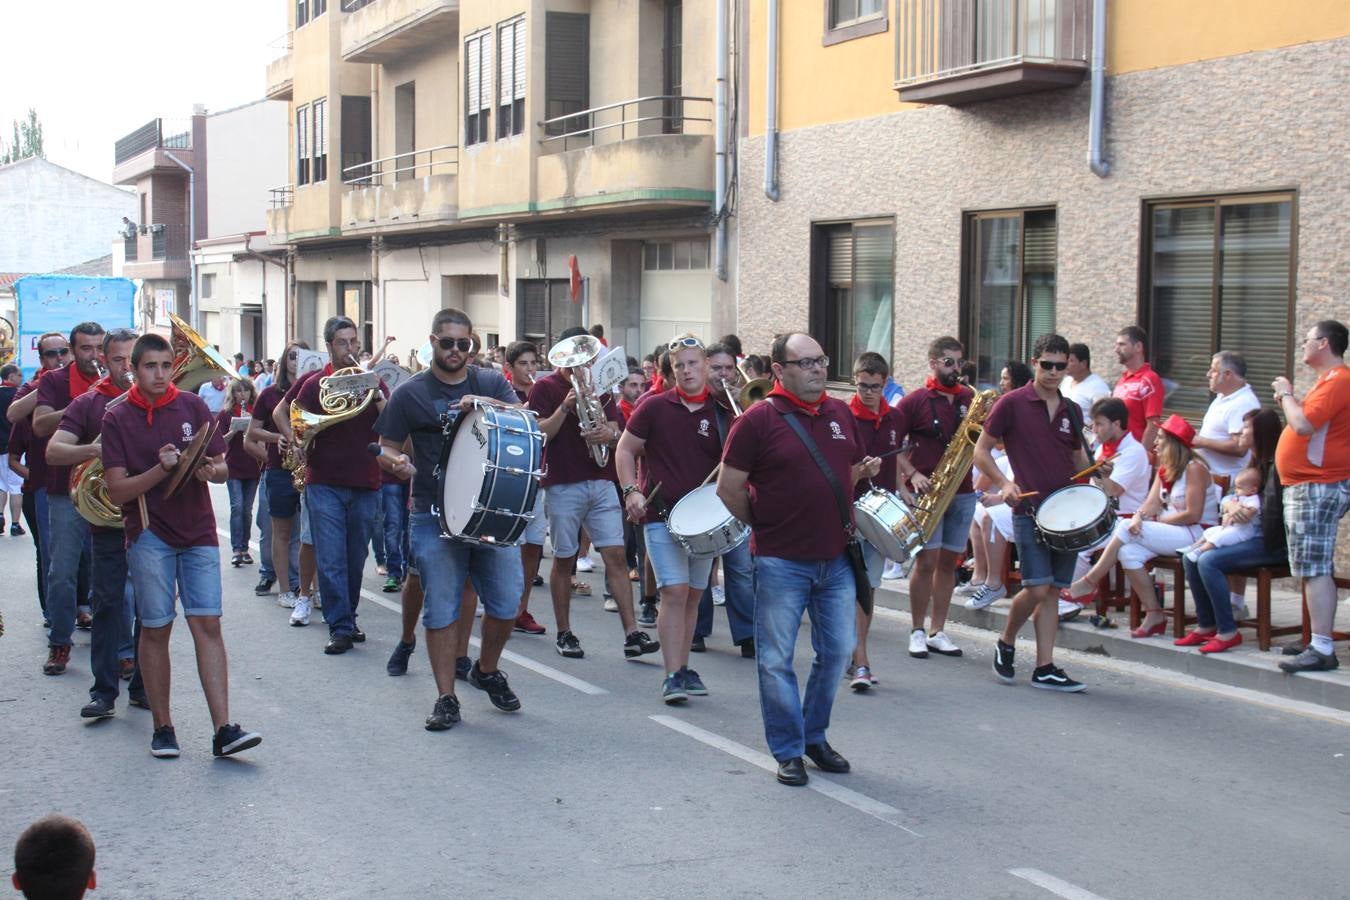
{"x": 1219, "y": 275}
{"x": 302, "y": 124}
{"x": 567, "y": 70}
{"x": 1008, "y": 288}
{"x": 511, "y": 53}
{"x": 301, "y": 12}
{"x": 477, "y": 86}
{"x": 318, "y": 148}
{"x": 317, "y": 8}
{"x": 853, "y": 290}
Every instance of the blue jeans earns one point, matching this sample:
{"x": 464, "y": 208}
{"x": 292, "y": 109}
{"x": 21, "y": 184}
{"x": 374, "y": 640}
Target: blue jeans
{"x": 340, "y": 520}
{"x": 70, "y": 552}
{"x": 445, "y": 565}
{"x": 264, "y": 522}
{"x": 241, "y": 512}
{"x": 784, "y": 588}
{"x": 37, "y": 531}
{"x": 394, "y": 501}
{"x": 112, "y": 624}
{"x": 377, "y": 539}
{"x": 738, "y": 573}
{"x": 44, "y": 536}
{"x": 1208, "y": 579}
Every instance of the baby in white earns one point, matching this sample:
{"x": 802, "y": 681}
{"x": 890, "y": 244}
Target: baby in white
{"x": 1246, "y": 495}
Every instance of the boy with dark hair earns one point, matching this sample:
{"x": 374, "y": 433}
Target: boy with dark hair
{"x": 54, "y": 860}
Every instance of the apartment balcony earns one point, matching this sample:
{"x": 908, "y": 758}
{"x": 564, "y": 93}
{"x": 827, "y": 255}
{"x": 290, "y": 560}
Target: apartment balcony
{"x": 143, "y": 151}
{"x": 402, "y": 192}
{"x": 160, "y": 254}
{"x": 279, "y": 212}
{"x": 280, "y": 84}
{"x": 963, "y": 51}
{"x": 381, "y": 31}
{"x": 650, "y": 152}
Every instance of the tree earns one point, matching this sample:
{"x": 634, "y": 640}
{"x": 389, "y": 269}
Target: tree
{"x": 27, "y": 140}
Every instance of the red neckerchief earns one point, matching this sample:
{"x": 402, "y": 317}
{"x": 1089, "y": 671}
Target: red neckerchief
{"x": 863, "y": 414}
{"x": 328, "y": 369}
{"x": 137, "y": 399}
{"x": 933, "y": 384}
{"x": 693, "y": 398}
{"x": 627, "y": 408}
{"x": 105, "y": 387}
{"x": 811, "y": 409}
{"x": 658, "y": 383}
{"x": 239, "y": 410}
{"x": 1109, "y": 449}
{"x": 78, "y": 382}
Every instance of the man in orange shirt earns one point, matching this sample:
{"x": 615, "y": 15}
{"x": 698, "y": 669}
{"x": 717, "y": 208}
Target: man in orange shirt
{"x": 1313, "y": 459}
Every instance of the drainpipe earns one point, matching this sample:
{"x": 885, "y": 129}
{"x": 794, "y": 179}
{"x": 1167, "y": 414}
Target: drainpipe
{"x": 771, "y": 108}
{"x": 192, "y": 240}
{"x": 1097, "y": 114}
{"x": 720, "y": 176}
{"x": 254, "y": 254}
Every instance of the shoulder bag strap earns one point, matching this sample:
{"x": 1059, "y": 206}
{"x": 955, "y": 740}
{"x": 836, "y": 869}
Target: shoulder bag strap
{"x": 795, "y": 424}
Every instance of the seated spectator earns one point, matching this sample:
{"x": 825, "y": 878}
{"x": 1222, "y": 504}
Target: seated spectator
{"x": 1246, "y": 495}
{"x": 1181, "y": 503}
{"x": 54, "y": 859}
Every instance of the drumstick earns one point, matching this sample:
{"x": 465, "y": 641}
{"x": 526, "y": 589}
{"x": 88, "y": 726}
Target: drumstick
{"x": 1095, "y": 466}
{"x": 1025, "y": 494}
{"x": 713, "y": 474}
{"x": 649, "y": 497}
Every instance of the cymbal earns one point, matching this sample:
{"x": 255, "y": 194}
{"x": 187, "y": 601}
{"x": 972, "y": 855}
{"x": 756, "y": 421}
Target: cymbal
{"x": 190, "y": 458}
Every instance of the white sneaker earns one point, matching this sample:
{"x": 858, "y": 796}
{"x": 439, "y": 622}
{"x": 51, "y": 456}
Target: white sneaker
{"x": 611, "y": 605}
{"x": 300, "y": 615}
{"x": 986, "y": 596}
{"x": 585, "y": 564}
{"x": 940, "y": 643}
{"x": 286, "y": 599}
{"x": 1240, "y": 611}
{"x": 862, "y": 679}
{"x": 918, "y": 645}
{"x": 969, "y": 589}
{"x": 1068, "y": 610}
{"x": 478, "y": 613}
{"x": 719, "y": 595}
{"x": 892, "y": 571}
{"x": 316, "y": 601}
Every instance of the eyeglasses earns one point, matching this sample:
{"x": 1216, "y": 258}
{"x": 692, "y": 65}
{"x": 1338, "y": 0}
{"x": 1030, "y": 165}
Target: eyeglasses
{"x": 463, "y": 345}
{"x": 52, "y": 354}
{"x": 683, "y": 342}
{"x": 1047, "y": 365}
{"x": 863, "y": 387}
{"x": 292, "y": 356}
{"x": 808, "y": 362}
{"x": 950, "y": 362}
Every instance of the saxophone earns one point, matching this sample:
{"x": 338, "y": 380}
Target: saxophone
{"x": 956, "y": 461}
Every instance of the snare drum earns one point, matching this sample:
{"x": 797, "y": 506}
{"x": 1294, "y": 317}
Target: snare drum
{"x": 701, "y": 523}
{"x": 488, "y": 476}
{"x": 888, "y": 524}
{"x": 1076, "y": 518}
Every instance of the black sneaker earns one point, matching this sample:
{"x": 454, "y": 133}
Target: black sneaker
{"x": 139, "y": 700}
{"x": 698, "y": 644}
{"x": 1310, "y": 661}
{"x": 264, "y": 586}
{"x": 673, "y": 689}
{"x": 231, "y": 739}
{"x": 1052, "y": 678}
{"x": 164, "y": 743}
{"x": 639, "y": 643}
{"x": 498, "y": 691}
{"x": 568, "y": 645}
{"x": 97, "y": 708}
{"x": 398, "y": 660}
{"x": 692, "y": 683}
{"x": 647, "y": 614}
{"x": 445, "y": 714}
{"x": 1003, "y": 663}
{"x": 462, "y": 666}
{"x": 538, "y": 581}
{"x": 16, "y": 530}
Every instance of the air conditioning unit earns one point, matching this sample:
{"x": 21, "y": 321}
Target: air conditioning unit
{"x": 156, "y": 229}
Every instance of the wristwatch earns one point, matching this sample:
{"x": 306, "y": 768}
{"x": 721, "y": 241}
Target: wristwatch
{"x": 1282, "y": 394}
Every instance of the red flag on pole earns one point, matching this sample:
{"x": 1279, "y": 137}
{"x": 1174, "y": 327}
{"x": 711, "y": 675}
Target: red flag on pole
{"x": 575, "y": 272}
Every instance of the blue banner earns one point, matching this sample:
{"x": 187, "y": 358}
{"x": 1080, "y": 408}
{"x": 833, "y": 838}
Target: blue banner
{"x": 60, "y": 302}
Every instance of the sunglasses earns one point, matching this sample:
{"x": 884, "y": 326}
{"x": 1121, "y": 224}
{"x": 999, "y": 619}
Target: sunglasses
{"x": 463, "y": 345}
{"x": 809, "y": 362}
{"x": 950, "y": 362}
{"x": 52, "y": 354}
{"x": 679, "y": 343}
{"x": 864, "y": 386}
{"x": 1047, "y": 365}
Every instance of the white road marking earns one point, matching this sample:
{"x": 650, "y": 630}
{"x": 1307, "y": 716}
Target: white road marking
{"x": 1057, "y": 886}
{"x": 861, "y": 802}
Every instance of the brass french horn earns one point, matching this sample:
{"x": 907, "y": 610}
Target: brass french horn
{"x": 339, "y": 401}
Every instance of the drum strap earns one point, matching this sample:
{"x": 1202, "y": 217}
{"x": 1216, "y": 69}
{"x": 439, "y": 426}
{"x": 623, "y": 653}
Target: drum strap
{"x": 432, "y": 397}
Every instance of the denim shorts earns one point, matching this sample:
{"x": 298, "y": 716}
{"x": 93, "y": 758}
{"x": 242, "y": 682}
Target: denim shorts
{"x": 156, "y": 569}
{"x": 1040, "y": 564}
{"x": 876, "y": 564}
{"x": 445, "y": 565}
{"x": 537, "y": 530}
{"x": 954, "y": 529}
{"x": 283, "y": 500}
{"x": 594, "y": 504}
{"x": 671, "y": 562}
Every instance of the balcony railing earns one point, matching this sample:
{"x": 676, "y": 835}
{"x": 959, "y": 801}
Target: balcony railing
{"x": 282, "y": 196}
{"x": 168, "y": 241}
{"x": 129, "y": 250}
{"x": 152, "y": 135}
{"x": 442, "y": 160}
{"x": 642, "y": 116}
{"x": 960, "y": 51}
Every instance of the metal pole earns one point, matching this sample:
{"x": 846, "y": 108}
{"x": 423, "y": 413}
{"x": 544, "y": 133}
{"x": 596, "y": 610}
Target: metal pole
{"x": 720, "y": 140}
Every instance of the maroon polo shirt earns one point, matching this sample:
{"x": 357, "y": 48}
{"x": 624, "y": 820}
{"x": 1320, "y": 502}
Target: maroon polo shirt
{"x": 793, "y": 507}
{"x": 242, "y": 466}
{"x": 915, "y": 415}
{"x": 338, "y": 456}
{"x": 523, "y": 396}
{"x": 567, "y": 458}
{"x": 262, "y": 414}
{"x": 83, "y": 418}
{"x": 35, "y": 448}
{"x": 21, "y": 444}
{"x": 131, "y": 443}
{"x": 54, "y": 391}
{"x": 1040, "y": 448}
{"x": 682, "y": 447}
{"x": 879, "y": 437}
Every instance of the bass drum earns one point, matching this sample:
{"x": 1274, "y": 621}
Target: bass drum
{"x": 488, "y": 476}
{"x": 701, "y": 523}
{"x": 1076, "y": 518}
{"x": 888, "y": 524}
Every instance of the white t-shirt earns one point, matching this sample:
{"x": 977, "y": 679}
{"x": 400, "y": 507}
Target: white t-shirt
{"x": 1130, "y": 470}
{"x": 1222, "y": 420}
{"x": 1087, "y": 392}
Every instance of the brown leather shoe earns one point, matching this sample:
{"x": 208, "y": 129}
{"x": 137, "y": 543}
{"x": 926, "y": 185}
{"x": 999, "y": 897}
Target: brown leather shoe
{"x": 57, "y": 657}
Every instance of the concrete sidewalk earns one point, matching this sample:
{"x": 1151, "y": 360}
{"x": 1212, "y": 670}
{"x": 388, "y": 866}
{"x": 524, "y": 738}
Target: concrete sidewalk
{"x": 1244, "y": 667}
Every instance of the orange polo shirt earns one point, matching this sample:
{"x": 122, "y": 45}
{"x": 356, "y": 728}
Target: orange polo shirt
{"x": 1324, "y": 455}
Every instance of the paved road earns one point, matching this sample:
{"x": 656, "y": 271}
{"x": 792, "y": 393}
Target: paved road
{"x": 961, "y": 787}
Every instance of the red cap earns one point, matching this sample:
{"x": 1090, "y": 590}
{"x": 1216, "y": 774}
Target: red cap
{"x": 1180, "y": 429}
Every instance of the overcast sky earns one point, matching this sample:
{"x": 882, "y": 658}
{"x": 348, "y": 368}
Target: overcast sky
{"x": 95, "y": 71}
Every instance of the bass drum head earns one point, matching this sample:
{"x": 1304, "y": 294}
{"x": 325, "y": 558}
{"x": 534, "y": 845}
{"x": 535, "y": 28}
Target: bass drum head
{"x": 462, "y": 465}
{"x": 1071, "y": 508}
{"x": 698, "y": 512}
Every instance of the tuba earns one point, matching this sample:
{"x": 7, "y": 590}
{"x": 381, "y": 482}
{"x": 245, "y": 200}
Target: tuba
{"x": 195, "y": 362}
{"x": 956, "y": 461}
{"x": 343, "y": 395}
{"x": 755, "y": 390}
{"x": 577, "y": 353}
